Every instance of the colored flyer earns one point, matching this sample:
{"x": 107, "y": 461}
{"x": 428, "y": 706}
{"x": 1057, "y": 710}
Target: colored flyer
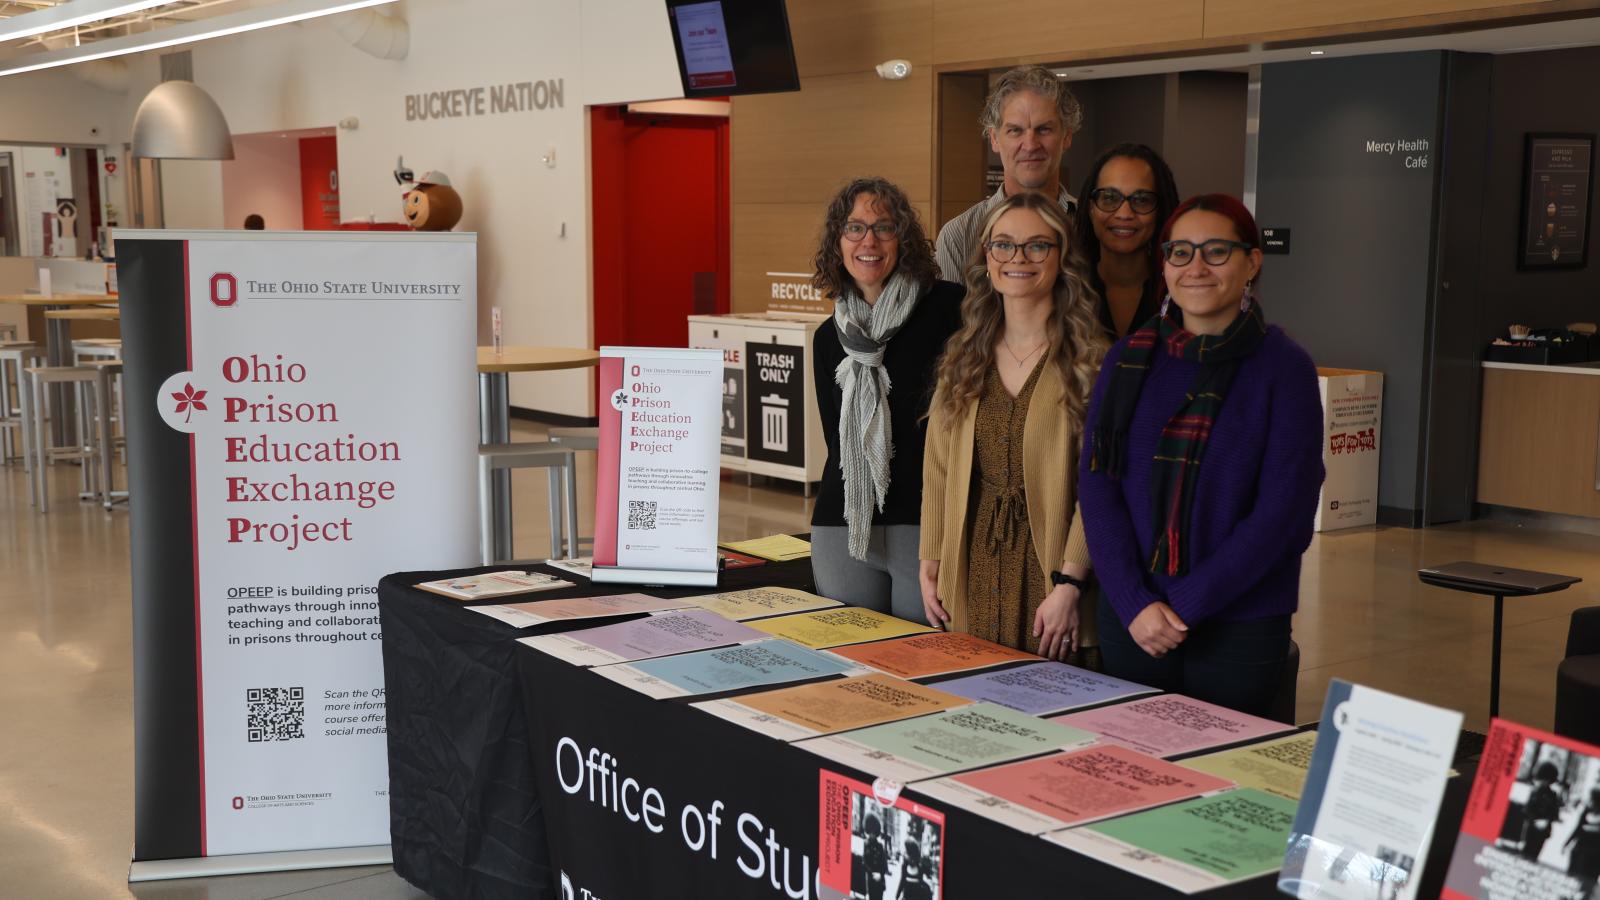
{"x": 661, "y": 634}
{"x": 493, "y": 584}
{"x": 826, "y": 707}
{"x": 836, "y": 627}
{"x": 874, "y": 843}
{"x": 776, "y": 547}
{"x": 1371, "y": 797}
{"x": 657, "y": 468}
{"x": 965, "y": 738}
{"x": 1277, "y": 766}
{"x": 1195, "y": 845}
{"x": 743, "y": 667}
{"x": 1532, "y": 825}
{"x": 759, "y": 603}
{"x": 1045, "y": 687}
{"x": 540, "y": 612}
{"x": 1172, "y": 724}
{"x": 937, "y": 653}
{"x": 1064, "y": 789}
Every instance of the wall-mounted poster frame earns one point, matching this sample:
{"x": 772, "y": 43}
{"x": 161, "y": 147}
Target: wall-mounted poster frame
{"x": 1557, "y": 185}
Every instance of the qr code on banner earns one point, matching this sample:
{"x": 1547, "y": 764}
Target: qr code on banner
{"x": 275, "y": 714}
{"x": 642, "y": 515}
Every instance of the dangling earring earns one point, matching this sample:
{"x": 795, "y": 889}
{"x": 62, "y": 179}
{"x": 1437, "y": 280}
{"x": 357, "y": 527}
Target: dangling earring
{"x": 1165, "y": 305}
{"x": 1249, "y": 295}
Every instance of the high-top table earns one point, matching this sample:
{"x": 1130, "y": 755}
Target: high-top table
{"x": 494, "y": 412}
{"x": 1498, "y": 582}
{"x": 58, "y": 343}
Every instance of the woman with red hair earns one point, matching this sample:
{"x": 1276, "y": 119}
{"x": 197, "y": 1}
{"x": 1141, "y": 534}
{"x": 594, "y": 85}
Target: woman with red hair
{"x": 1201, "y": 472}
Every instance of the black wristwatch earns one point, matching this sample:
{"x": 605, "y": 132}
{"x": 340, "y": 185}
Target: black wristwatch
{"x": 1064, "y": 578}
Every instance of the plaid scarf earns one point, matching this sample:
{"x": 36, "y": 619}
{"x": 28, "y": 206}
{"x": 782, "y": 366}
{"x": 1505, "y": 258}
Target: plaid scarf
{"x": 1182, "y": 444}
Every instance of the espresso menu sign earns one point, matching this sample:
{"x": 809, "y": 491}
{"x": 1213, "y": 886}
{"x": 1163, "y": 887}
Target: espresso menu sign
{"x": 1555, "y": 214}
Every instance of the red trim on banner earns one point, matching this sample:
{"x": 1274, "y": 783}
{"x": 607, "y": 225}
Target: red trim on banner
{"x": 194, "y": 538}
{"x": 608, "y": 464}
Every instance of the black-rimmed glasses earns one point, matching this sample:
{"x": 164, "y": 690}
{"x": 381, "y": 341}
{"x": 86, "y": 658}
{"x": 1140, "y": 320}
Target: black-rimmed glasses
{"x": 855, "y": 231}
{"x": 1110, "y": 200}
{"x": 1032, "y": 251}
{"x": 1215, "y": 252}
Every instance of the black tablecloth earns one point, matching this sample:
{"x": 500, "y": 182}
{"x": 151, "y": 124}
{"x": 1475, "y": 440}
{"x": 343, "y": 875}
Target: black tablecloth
{"x": 475, "y": 720}
{"x": 465, "y": 820}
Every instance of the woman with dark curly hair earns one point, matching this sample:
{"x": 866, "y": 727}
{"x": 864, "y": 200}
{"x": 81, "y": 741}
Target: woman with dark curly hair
{"x": 1004, "y": 554}
{"x": 873, "y": 366}
{"x": 1127, "y": 197}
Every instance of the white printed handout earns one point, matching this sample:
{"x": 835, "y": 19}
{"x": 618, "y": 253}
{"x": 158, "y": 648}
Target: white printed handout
{"x": 1367, "y": 812}
{"x": 656, "y": 474}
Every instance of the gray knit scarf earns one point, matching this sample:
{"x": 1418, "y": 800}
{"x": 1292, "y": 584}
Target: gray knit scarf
{"x": 865, "y": 444}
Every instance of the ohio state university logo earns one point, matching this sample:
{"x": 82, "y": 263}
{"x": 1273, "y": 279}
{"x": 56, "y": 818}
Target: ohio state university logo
{"x": 224, "y": 290}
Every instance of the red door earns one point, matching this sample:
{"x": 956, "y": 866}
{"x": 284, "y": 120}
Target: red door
{"x": 661, "y": 245}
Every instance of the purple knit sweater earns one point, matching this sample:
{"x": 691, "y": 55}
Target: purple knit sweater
{"x": 1254, "y": 503}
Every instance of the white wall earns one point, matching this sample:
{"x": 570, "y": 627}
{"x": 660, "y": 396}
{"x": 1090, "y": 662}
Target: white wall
{"x": 263, "y": 178}
{"x": 532, "y": 220}
{"x": 191, "y": 193}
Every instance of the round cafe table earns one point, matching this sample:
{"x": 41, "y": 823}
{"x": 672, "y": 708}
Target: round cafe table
{"x": 494, "y": 412}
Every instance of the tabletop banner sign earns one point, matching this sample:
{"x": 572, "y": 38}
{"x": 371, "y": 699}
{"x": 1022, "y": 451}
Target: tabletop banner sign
{"x": 299, "y": 425}
{"x": 1532, "y": 825}
{"x": 656, "y": 488}
{"x": 1371, "y": 796}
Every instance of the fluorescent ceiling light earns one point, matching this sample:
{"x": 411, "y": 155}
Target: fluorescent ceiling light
{"x": 69, "y": 15}
{"x": 187, "y": 33}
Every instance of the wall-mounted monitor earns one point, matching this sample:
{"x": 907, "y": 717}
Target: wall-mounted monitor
{"x": 733, "y": 47}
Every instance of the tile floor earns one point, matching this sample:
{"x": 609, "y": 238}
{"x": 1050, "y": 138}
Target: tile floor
{"x": 66, "y": 742}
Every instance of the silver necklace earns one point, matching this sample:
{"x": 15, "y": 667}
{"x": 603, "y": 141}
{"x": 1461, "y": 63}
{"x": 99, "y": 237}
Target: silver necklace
{"x": 1022, "y": 359}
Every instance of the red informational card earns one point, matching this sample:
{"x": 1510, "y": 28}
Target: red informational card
{"x": 1532, "y": 825}
{"x": 875, "y": 843}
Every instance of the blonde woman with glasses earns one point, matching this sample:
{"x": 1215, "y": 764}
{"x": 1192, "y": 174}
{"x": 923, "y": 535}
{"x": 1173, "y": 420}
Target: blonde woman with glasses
{"x": 1004, "y": 556}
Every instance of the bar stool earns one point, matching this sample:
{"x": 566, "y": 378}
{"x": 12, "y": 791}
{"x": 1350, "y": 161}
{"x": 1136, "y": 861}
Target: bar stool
{"x": 107, "y": 442}
{"x": 102, "y": 348}
{"x": 563, "y": 491}
{"x": 14, "y": 356}
{"x": 82, "y": 379}
{"x": 578, "y": 438}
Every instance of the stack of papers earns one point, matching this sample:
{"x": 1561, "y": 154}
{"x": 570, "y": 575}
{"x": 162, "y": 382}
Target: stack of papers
{"x": 493, "y": 584}
{"x": 836, "y": 627}
{"x": 829, "y": 706}
{"x": 777, "y": 547}
{"x": 662, "y": 634}
{"x": 1064, "y": 789}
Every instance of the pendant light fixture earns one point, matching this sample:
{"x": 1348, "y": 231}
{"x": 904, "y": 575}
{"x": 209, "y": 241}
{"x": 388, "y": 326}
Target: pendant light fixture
{"x": 178, "y": 120}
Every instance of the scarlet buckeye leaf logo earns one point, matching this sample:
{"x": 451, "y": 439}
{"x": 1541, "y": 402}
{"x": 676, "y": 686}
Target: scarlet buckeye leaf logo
{"x": 189, "y": 401}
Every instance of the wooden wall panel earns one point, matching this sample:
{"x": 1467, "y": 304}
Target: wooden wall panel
{"x": 832, "y": 37}
{"x": 969, "y": 30}
{"x": 776, "y": 237}
{"x": 800, "y": 147}
{"x": 961, "y": 146}
{"x": 1539, "y": 439}
{"x": 1225, "y": 18}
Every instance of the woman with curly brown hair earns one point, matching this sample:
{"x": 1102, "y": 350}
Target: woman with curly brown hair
{"x": 872, "y": 363}
{"x": 1004, "y": 556}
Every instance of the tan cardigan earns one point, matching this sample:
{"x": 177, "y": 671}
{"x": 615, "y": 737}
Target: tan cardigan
{"x": 1049, "y": 479}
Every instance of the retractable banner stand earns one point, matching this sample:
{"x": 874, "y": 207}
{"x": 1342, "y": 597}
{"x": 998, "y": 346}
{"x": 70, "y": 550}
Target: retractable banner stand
{"x": 300, "y": 422}
{"x": 660, "y": 416}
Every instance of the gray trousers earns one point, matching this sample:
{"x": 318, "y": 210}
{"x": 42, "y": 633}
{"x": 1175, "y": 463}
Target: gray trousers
{"x": 886, "y": 581}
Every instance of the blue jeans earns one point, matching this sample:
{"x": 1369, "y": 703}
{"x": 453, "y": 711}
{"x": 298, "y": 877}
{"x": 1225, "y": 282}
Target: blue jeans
{"x": 1234, "y": 664}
